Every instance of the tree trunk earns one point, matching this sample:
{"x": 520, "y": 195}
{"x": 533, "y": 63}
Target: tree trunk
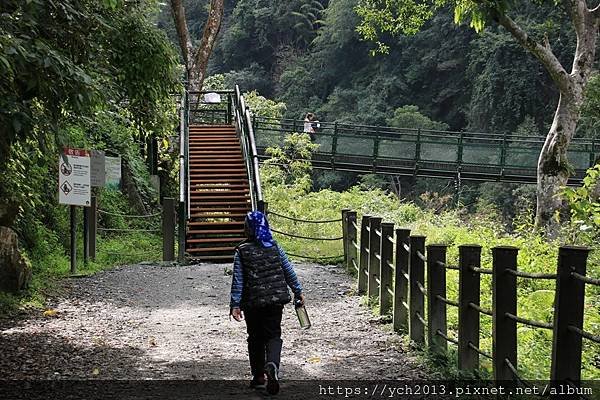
{"x": 196, "y": 59}
{"x": 553, "y": 167}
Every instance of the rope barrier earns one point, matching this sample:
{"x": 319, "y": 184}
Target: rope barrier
{"x": 453, "y": 267}
{"x": 308, "y": 221}
{"x": 531, "y": 275}
{"x": 355, "y": 265}
{"x": 421, "y": 288}
{"x": 391, "y": 239}
{"x": 405, "y": 305}
{"x": 587, "y": 335}
{"x": 391, "y": 265}
{"x": 420, "y": 319}
{"x": 446, "y": 338}
{"x": 355, "y": 225}
{"x": 481, "y": 270}
{"x": 356, "y": 245}
{"x": 315, "y": 258}
{"x": 481, "y": 310}
{"x": 390, "y": 291}
{"x": 377, "y": 256}
{"x": 515, "y": 373}
{"x": 305, "y": 237}
{"x": 530, "y": 322}
{"x": 586, "y": 279}
{"x": 377, "y": 280}
{"x": 128, "y": 230}
{"x": 478, "y": 350}
{"x": 378, "y": 232}
{"x": 446, "y": 301}
{"x": 405, "y": 275}
{"x": 129, "y": 216}
{"x": 406, "y": 247}
{"x": 421, "y": 256}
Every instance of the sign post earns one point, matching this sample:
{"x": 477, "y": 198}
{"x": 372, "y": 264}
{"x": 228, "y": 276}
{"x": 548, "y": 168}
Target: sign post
{"x": 74, "y": 189}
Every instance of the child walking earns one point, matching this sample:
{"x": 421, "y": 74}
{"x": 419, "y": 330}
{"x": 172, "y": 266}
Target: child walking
{"x": 259, "y": 290}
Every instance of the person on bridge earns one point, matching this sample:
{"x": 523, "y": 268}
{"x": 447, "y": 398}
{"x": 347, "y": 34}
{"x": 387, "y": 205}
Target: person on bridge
{"x": 259, "y": 290}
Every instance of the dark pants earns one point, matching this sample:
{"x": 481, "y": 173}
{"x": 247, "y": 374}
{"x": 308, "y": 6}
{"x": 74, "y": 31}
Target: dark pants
{"x": 264, "y": 337}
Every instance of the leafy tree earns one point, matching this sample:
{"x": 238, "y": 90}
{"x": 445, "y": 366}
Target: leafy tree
{"x": 410, "y": 117}
{"x": 408, "y": 16}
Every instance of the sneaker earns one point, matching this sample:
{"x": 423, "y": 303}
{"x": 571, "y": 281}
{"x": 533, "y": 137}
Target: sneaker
{"x": 258, "y": 382}
{"x": 272, "y": 378}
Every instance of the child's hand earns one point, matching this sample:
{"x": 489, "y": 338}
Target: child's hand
{"x": 237, "y": 314}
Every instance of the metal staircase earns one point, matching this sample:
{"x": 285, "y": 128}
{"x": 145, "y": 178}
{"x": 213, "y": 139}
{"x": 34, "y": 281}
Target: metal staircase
{"x": 219, "y": 175}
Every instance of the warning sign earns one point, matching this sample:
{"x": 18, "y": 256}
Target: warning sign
{"x": 74, "y": 186}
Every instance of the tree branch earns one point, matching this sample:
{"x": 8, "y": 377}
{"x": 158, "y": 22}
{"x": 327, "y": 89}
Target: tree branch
{"x": 542, "y": 52}
{"x": 577, "y": 10}
{"x": 595, "y": 12}
{"x": 185, "y": 42}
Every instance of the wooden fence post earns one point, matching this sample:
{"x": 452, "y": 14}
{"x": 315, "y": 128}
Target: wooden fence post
{"x": 345, "y": 234}
{"x": 352, "y": 262}
{"x": 568, "y": 312}
{"x": 168, "y": 229}
{"x": 468, "y": 317}
{"x": 374, "y": 257}
{"x": 93, "y": 226}
{"x": 436, "y": 286}
{"x": 400, "y": 306}
{"x": 364, "y": 254}
{"x": 181, "y": 232}
{"x": 504, "y": 300}
{"x": 416, "y": 301}
{"x": 387, "y": 258}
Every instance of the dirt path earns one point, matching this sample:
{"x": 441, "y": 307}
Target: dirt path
{"x": 164, "y": 322}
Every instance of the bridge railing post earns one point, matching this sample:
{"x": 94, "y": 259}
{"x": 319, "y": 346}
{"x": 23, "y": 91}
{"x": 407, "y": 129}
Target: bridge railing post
{"x": 400, "y": 303}
{"x": 352, "y": 262}
{"x": 374, "y": 257}
{"x": 168, "y": 229}
{"x": 364, "y": 254}
{"x": 504, "y": 300}
{"x": 436, "y": 289}
{"x": 416, "y": 301}
{"x": 568, "y": 314}
{"x": 468, "y": 317}
{"x": 387, "y": 258}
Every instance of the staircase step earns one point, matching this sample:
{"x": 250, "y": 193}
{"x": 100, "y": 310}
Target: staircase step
{"x": 217, "y": 214}
{"x": 238, "y": 181}
{"x": 220, "y": 192}
{"x": 218, "y": 240}
{"x": 237, "y": 232}
{"x": 207, "y": 164}
{"x": 213, "y": 224}
{"x": 218, "y": 203}
{"x": 208, "y": 249}
{"x": 217, "y": 209}
{"x": 216, "y": 176}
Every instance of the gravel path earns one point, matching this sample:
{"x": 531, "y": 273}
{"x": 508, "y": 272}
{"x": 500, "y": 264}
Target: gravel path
{"x": 171, "y": 322}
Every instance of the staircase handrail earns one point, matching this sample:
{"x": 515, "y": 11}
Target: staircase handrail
{"x": 243, "y": 119}
{"x": 184, "y": 188}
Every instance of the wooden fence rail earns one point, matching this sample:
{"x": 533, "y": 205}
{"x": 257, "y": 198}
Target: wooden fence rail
{"x": 390, "y": 265}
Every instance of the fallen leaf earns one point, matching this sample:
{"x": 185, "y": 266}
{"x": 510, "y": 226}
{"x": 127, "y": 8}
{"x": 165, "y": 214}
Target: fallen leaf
{"x": 96, "y": 371}
{"x": 50, "y": 313}
{"x": 314, "y": 360}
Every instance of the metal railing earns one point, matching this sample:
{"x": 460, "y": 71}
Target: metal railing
{"x": 401, "y": 272}
{"x": 470, "y": 155}
{"x": 245, "y": 131}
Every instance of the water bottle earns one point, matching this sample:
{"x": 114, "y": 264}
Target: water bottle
{"x": 302, "y": 314}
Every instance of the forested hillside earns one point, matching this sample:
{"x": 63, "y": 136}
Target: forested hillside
{"x": 308, "y": 54}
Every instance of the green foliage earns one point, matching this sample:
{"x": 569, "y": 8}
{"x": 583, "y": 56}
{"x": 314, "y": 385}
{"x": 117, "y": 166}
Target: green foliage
{"x": 290, "y": 164}
{"x": 410, "y": 117}
{"x": 264, "y": 107}
{"x": 584, "y": 201}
